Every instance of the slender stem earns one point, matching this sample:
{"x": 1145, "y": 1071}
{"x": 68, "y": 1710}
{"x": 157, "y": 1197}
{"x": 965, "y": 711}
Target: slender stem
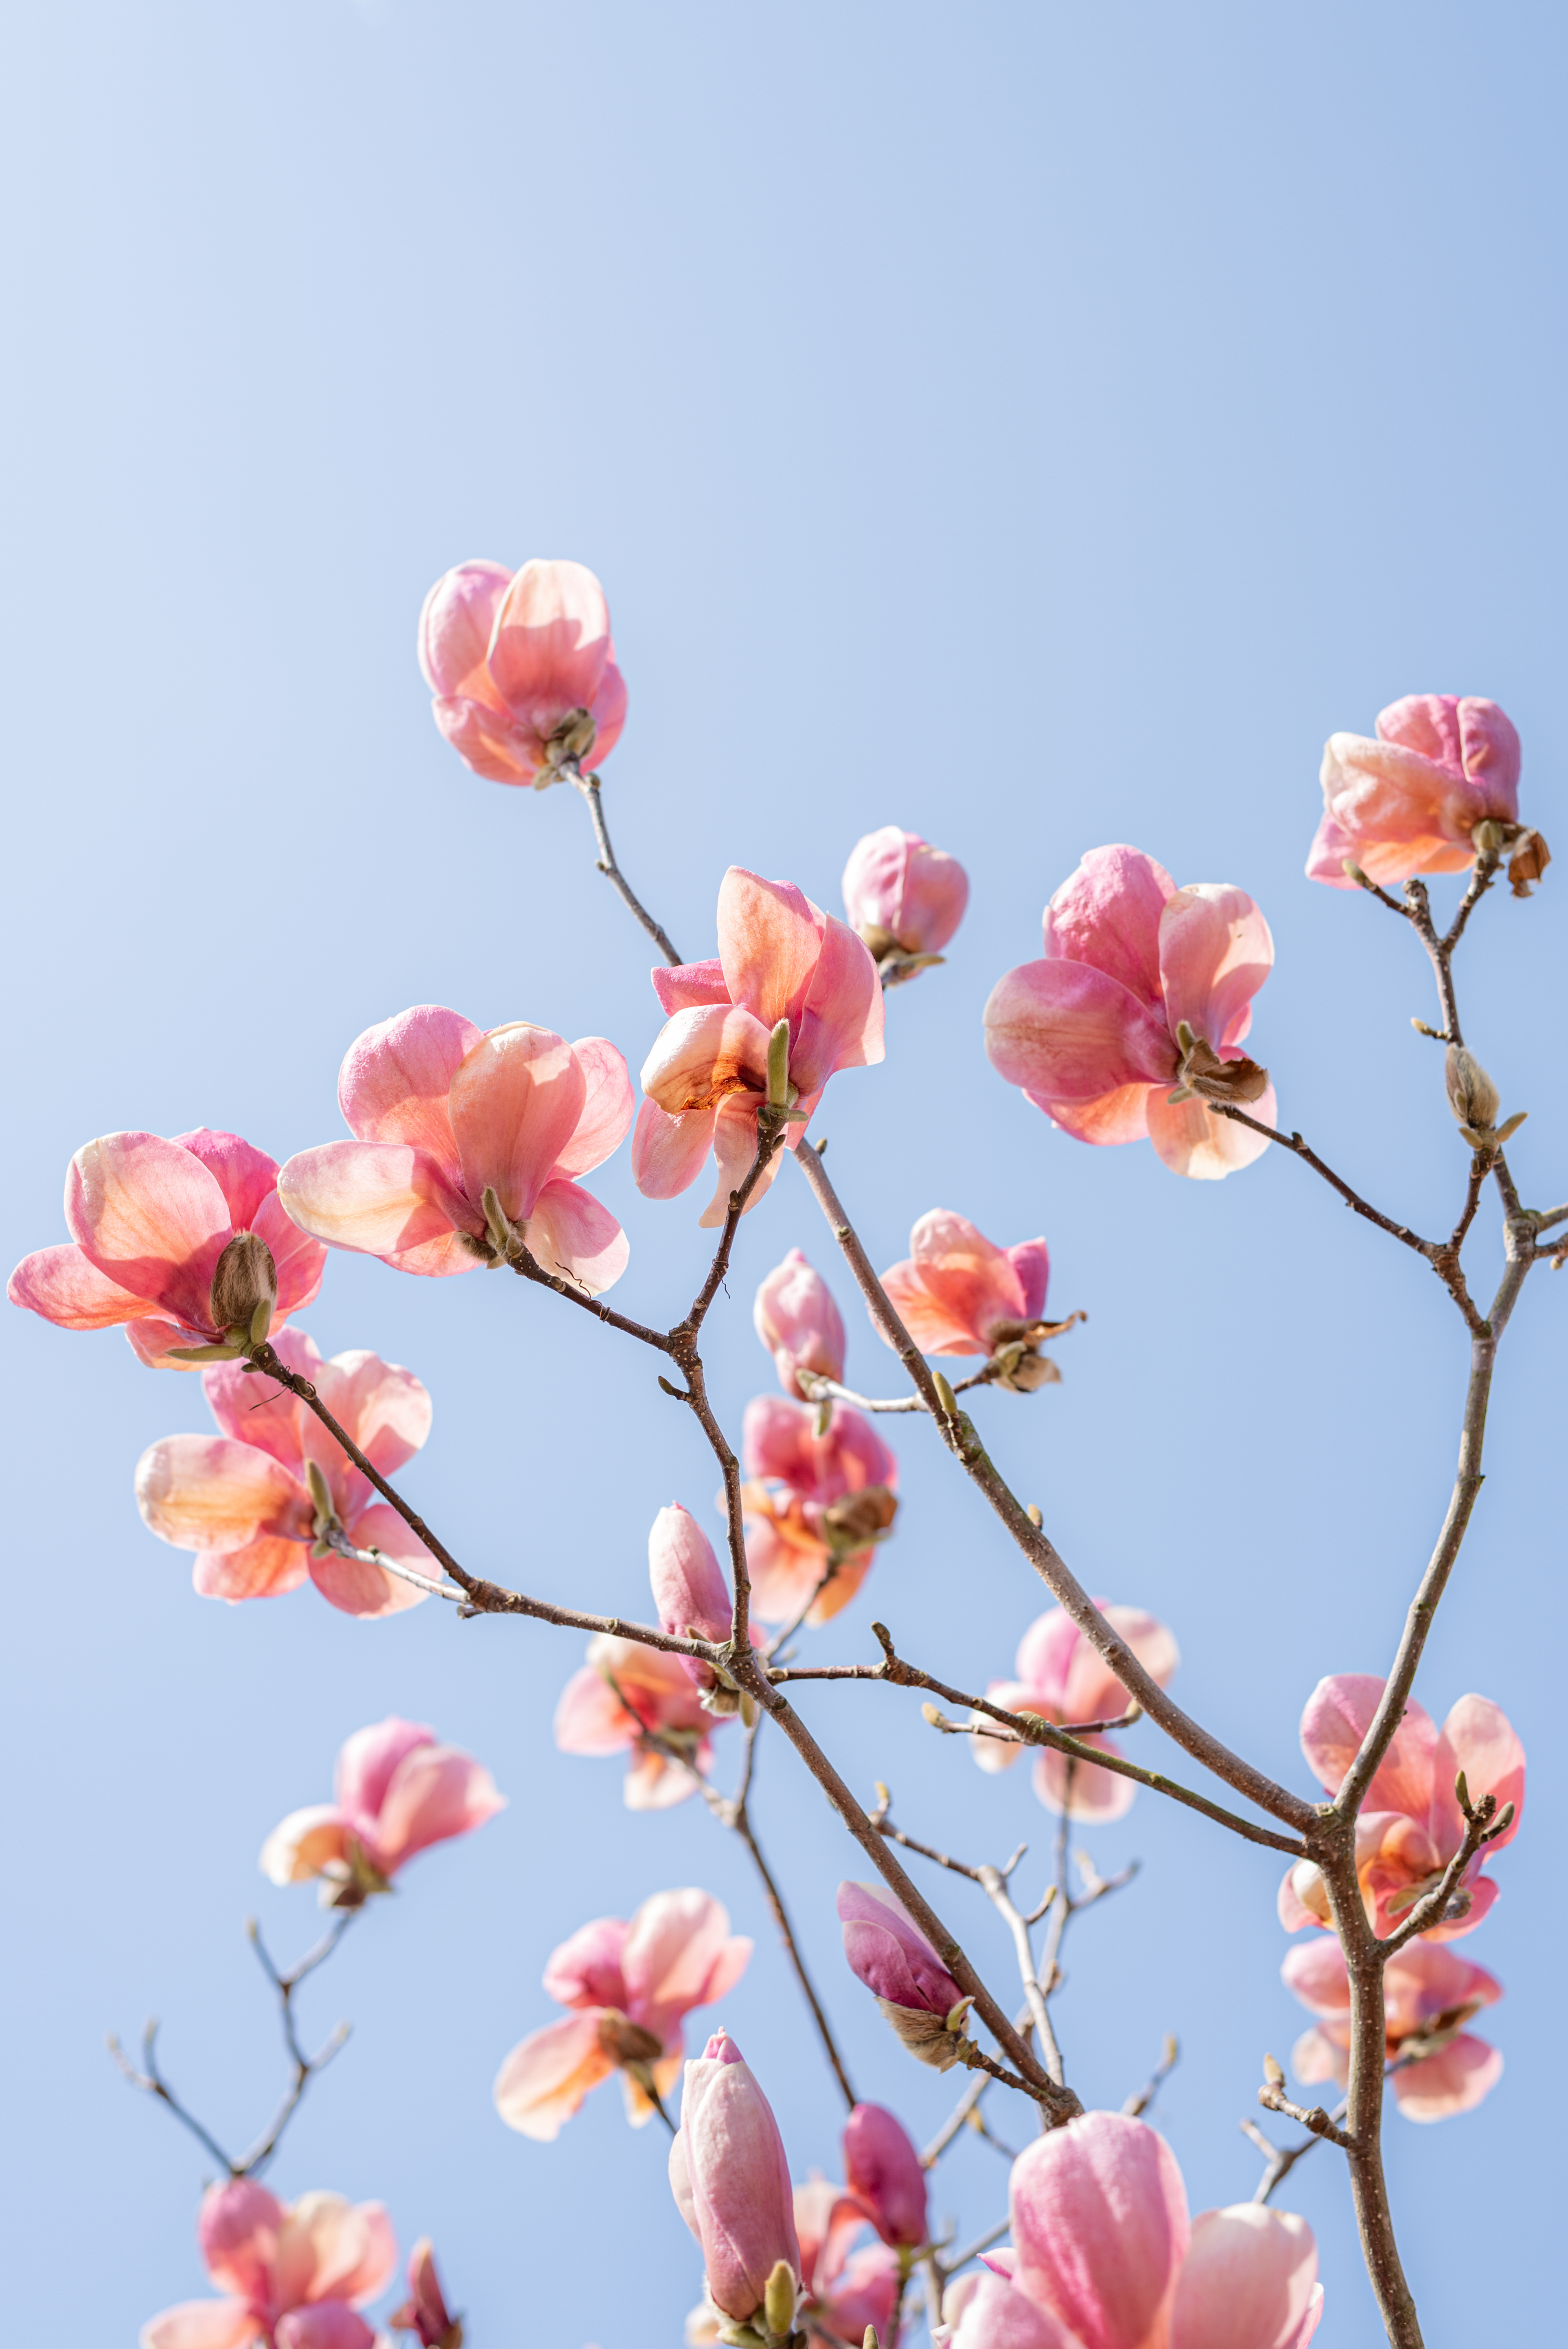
{"x": 337, "y": 1539}
{"x": 528, "y": 1265}
{"x": 588, "y": 786}
{"x": 152, "y": 2082}
{"x": 994, "y": 1884}
{"x": 824, "y": 1389}
{"x": 1543, "y": 1223}
{"x": 1294, "y": 1142}
{"x": 961, "y": 1440}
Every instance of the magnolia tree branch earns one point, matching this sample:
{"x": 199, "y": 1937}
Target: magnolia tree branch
{"x": 588, "y": 787}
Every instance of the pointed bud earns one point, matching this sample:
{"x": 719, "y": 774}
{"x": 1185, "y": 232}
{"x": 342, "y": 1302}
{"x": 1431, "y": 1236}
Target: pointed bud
{"x": 320, "y": 1492}
{"x": 1473, "y": 1097}
{"x": 944, "y": 1394}
{"x": 779, "y": 2299}
{"x": 245, "y": 1279}
{"x": 1274, "y": 2072}
{"x": 1461, "y": 1793}
{"x": 778, "y": 1066}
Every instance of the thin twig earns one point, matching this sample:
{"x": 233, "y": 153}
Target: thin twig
{"x": 818, "y": 1389}
{"x": 588, "y": 786}
{"x": 152, "y": 2082}
{"x": 1138, "y": 2104}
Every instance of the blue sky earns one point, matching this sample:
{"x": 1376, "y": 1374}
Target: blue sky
{"x": 1035, "y": 426}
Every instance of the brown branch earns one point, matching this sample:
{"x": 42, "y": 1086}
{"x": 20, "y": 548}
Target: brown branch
{"x": 1273, "y": 2098}
{"x": 1294, "y": 1142}
{"x": 959, "y": 1435}
{"x": 1429, "y": 1909}
{"x": 528, "y": 1265}
{"x": 588, "y": 787}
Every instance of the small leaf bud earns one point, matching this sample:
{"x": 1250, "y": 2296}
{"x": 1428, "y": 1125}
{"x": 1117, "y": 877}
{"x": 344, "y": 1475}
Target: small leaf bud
{"x": 779, "y": 2299}
{"x": 1274, "y": 2072}
{"x": 320, "y": 1492}
{"x": 778, "y": 1066}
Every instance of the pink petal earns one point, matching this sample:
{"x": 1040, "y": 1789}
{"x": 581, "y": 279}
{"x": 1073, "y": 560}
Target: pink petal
{"x": 153, "y": 1340}
{"x": 360, "y": 1587}
{"x": 888, "y": 1954}
{"x": 395, "y": 1080}
{"x": 1079, "y": 1790}
{"x": 690, "y": 1588}
{"x": 1031, "y": 1262}
{"x": 515, "y": 1102}
{"x": 573, "y": 1232}
{"x": 590, "y": 1718}
{"x": 545, "y": 2078}
{"x": 798, "y": 1321}
{"x": 267, "y": 1567}
{"x": 238, "y": 2228}
{"x": 1100, "y": 2219}
{"x": 1045, "y": 1655}
{"x": 605, "y": 1117}
{"x": 934, "y": 1329}
{"x": 841, "y": 1023}
{"x": 1066, "y": 1032}
{"x": 1452, "y": 2081}
{"x": 667, "y": 1153}
{"x": 585, "y": 1970}
{"x": 700, "y": 1055}
{"x": 784, "y": 1574}
{"x": 549, "y": 644}
{"x": 369, "y": 1761}
{"x": 330, "y": 2249}
{"x": 1426, "y": 1978}
{"x": 245, "y": 1175}
{"x": 152, "y": 1219}
{"x": 1479, "y": 1739}
{"x": 1248, "y": 2280}
{"x": 608, "y": 708}
{"x": 298, "y": 1260}
{"x": 66, "y": 1287}
{"x": 305, "y": 1845}
{"x": 736, "y": 2180}
{"x": 375, "y": 1198}
{"x": 769, "y": 945}
{"x": 455, "y": 626}
{"x": 209, "y": 1493}
{"x": 994, "y": 2317}
{"x": 1318, "y": 2055}
{"x": 968, "y": 1275}
{"x": 652, "y": 1783}
{"x": 1119, "y": 1115}
{"x": 1316, "y": 1972}
{"x": 735, "y": 1154}
{"x": 674, "y": 1942}
{"x": 1092, "y": 1691}
{"x": 329, "y": 2325}
{"x": 883, "y": 2170}
{"x": 1106, "y": 914}
{"x": 689, "y": 984}
{"x": 493, "y": 744}
{"x": 381, "y": 1406}
{"x": 1193, "y": 1140}
{"x": 1339, "y": 1713}
{"x": 201, "y": 2324}
{"x": 436, "y": 1792}
{"x": 1215, "y": 952}
{"x": 897, "y": 881}
{"x": 1474, "y": 736}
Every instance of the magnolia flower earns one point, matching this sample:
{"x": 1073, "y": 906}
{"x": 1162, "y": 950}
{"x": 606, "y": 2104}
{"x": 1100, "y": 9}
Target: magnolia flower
{"x": 1065, "y": 1680}
{"x": 731, "y": 2185}
{"x": 1134, "y": 1020}
{"x": 882, "y": 2172}
{"x": 249, "y": 1501}
{"x": 425, "y": 2310}
{"x": 693, "y": 1598}
{"x": 628, "y": 1986}
{"x": 1410, "y": 1824}
{"x": 816, "y": 1506}
{"x": 798, "y": 1321}
{"x": 958, "y": 1293}
{"x": 1104, "y": 2256}
{"x": 904, "y": 898}
{"x": 782, "y": 963}
{"x": 1428, "y": 1994}
{"x": 1438, "y": 781}
{"x": 295, "y": 2274}
{"x": 631, "y": 1698}
{"x": 887, "y": 1951}
{"x": 522, "y": 669}
{"x": 468, "y": 1144}
{"x": 398, "y": 1792}
{"x": 183, "y": 1241}
{"x": 846, "y": 2288}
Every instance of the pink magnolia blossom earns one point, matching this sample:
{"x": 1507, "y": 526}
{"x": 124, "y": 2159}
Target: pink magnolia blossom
{"x": 445, "y": 1112}
{"x": 1410, "y": 1825}
{"x": 798, "y": 1321}
{"x": 731, "y": 2185}
{"x": 816, "y": 1506}
{"x": 522, "y": 669}
{"x": 958, "y": 1293}
{"x": 1411, "y": 798}
{"x": 780, "y": 958}
{"x": 425, "y": 2311}
{"x": 1428, "y": 1994}
{"x": 1065, "y": 1680}
{"x": 904, "y": 898}
{"x": 887, "y": 1951}
{"x": 242, "y": 1499}
{"x": 847, "y": 2287}
{"x": 882, "y": 2171}
{"x": 397, "y": 1792}
{"x": 628, "y": 1986}
{"x": 1134, "y": 1020}
{"x": 693, "y": 1598}
{"x": 181, "y": 1241}
{"x": 1104, "y": 2253}
{"x": 294, "y": 2274}
{"x": 633, "y": 1699}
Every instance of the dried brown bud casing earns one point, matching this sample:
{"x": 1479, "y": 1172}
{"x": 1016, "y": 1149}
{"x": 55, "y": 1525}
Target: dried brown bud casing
{"x": 1204, "y": 1072}
{"x": 861, "y": 1517}
{"x": 625, "y": 2042}
{"x": 245, "y": 1279}
{"x": 926, "y": 2035}
{"x": 1529, "y": 861}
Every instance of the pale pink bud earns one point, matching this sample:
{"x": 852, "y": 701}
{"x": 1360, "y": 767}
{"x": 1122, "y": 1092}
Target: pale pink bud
{"x": 730, "y": 2180}
{"x": 903, "y": 896}
{"x": 522, "y": 668}
{"x": 690, "y": 1592}
{"x": 798, "y": 1321}
{"x": 888, "y": 1951}
{"x": 1099, "y": 2222}
{"x": 882, "y": 2171}
{"x": 425, "y": 2311}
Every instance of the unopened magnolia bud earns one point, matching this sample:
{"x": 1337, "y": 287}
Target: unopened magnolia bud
{"x": 779, "y": 2299}
{"x": 573, "y": 737}
{"x": 944, "y": 1394}
{"x": 870, "y": 2340}
{"x": 497, "y": 1222}
{"x": 1274, "y": 2072}
{"x": 1461, "y": 1793}
{"x": 778, "y": 1066}
{"x": 1504, "y": 1819}
{"x": 245, "y": 1279}
{"x": 320, "y": 1491}
{"x": 1035, "y": 1514}
{"x": 1473, "y": 1097}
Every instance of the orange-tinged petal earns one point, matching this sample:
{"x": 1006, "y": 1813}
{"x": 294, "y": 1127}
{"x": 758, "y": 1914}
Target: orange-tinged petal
{"x": 546, "y": 2076}
{"x": 209, "y": 1493}
{"x": 573, "y": 1232}
{"x": 375, "y": 1198}
{"x": 769, "y": 939}
{"x": 605, "y": 1117}
{"x": 304, "y": 1845}
{"x": 151, "y": 1217}
{"x": 64, "y": 1286}
{"x": 1195, "y": 1140}
{"x": 515, "y": 1103}
{"x": 267, "y": 1567}
{"x": 550, "y": 643}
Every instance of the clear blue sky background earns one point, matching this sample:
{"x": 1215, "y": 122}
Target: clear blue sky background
{"x": 1034, "y": 425}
